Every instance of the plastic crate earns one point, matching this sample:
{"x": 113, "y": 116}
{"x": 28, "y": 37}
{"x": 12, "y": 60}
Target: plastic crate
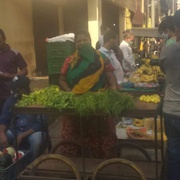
{"x": 11, "y": 172}
{"x": 57, "y": 52}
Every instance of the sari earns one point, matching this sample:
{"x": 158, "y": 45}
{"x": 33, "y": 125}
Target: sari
{"x": 84, "y": 70}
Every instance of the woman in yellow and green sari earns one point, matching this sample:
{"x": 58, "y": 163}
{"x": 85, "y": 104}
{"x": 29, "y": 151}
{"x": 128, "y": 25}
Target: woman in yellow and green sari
{"x": 87, "y": 70}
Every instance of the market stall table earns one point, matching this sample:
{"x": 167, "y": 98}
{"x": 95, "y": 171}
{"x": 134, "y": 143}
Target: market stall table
{"x": 141, "y": 110}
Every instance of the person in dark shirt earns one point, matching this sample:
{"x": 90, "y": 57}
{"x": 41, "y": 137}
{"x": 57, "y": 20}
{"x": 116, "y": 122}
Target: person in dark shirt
{"x": 11, "y": 64}
{"x": 170, "y": 65}
{"x": 27, "y": 127}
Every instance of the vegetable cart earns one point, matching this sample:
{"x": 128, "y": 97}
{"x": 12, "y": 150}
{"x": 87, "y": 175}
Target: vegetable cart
{"x": 86, "y": 166}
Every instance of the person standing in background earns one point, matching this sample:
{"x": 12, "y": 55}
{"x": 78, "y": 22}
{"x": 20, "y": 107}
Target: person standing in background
{"x": 170, "y": 65}
{"x": 103, "y": 30}
{"x": 110, "y": 42}
{"x": 11, "y": 64}
{"x": 167, "y": 29}
{"x": 128, "y": 62}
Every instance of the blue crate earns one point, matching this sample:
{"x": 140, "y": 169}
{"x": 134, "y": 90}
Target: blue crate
{"x": 11, "y": 172}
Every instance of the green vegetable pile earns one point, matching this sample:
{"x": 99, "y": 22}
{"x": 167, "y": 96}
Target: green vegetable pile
{"x": 110, "y": 102}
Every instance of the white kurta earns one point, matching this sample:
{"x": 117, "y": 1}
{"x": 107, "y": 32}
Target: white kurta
{"x": 119, "y": 74}
{"x": 128, "y": 62}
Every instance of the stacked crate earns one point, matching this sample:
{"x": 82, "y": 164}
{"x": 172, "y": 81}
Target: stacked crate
{"x": 57, "y": 52}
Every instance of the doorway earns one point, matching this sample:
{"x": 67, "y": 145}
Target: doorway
{"x": 110, "y": 15}
{"x": 45, "y": 25}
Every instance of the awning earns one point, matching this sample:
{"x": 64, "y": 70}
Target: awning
{"x": 129, "y": 4}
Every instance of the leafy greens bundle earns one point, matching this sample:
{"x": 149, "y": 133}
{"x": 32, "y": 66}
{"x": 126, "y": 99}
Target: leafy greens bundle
{"x": 110, "y": 102}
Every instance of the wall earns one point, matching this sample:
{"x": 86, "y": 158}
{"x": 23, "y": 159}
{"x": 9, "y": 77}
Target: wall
{"x": 75, "y": 16}
{"x": 16, "y": 21}
{"x": 26, "y": 35}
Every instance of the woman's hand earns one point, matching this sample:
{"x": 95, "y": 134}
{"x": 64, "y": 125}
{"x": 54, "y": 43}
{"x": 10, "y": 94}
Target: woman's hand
{"x": 63, "y": 84}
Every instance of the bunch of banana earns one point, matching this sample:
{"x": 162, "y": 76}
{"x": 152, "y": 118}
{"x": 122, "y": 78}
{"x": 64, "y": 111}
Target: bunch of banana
{"x": 143, "y": 67}
{"x": 144, "y": 70}
{"x": 135, "y": 78}
{"x": 149, "y": 71}
{"x": 139, "y": 71}
{"x": 147, "y": 62}
{"x": 148, "y": 78}
{"x": 157, "y": 70}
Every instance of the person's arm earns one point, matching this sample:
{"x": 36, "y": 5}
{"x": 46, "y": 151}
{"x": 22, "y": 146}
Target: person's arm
{"x": 111, "y": 79}
{"x": 21, "y": 66}
{"x": 32, "y": 123}
{"x": 3, "y": 128}
{"x": 23, "y": 135}
{"x": 3, "y": 137}
{"x": 62, "y": 79}
{"x": 63, "y": 84}
{"x": 5, "y": 120}
{"x": 23, "y": 71}
{"x": 162, "y": 59}
{"x": 119, "y": 55}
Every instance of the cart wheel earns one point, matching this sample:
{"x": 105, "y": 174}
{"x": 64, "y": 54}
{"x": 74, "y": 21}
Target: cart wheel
{"x": 129, "y": 145}
{"x": 58, "y": 157}
{"x": 125, "y": 169}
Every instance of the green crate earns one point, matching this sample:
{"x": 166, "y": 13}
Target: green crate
{"x": 57, "y": 52}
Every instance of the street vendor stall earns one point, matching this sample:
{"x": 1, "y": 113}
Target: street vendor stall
{"x": 86, "y": 165}
{"x": 147, "y": 76}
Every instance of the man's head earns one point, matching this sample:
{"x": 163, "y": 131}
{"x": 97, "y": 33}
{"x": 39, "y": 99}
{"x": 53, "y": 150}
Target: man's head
{"x": 128, "y": 36}
{"x": 2, "y": 40}
{"x": 104, "y": 29}
{"x": 19, "y": 84}
{"x": 166, "y": 27}
{"x": 177, "y": 24}
{"x": 111, "y": 38}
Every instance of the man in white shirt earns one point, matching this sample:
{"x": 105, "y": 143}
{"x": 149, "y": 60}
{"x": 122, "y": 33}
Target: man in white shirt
{"x": 128, "y": 62}
{"x": 110, "y": 40}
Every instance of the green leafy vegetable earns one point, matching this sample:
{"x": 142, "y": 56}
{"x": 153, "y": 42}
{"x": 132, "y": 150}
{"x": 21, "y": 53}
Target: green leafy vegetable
{"x": 110, "y": 102}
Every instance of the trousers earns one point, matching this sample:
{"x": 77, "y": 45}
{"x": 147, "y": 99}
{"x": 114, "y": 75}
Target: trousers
{"x": 172, "y": 130}
{"x": 33, "y": 143}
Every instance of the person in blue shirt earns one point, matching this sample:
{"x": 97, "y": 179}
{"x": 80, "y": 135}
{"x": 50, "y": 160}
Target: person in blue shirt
{"x": 27, "y": 126}
{"x": 110, "y": 42}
